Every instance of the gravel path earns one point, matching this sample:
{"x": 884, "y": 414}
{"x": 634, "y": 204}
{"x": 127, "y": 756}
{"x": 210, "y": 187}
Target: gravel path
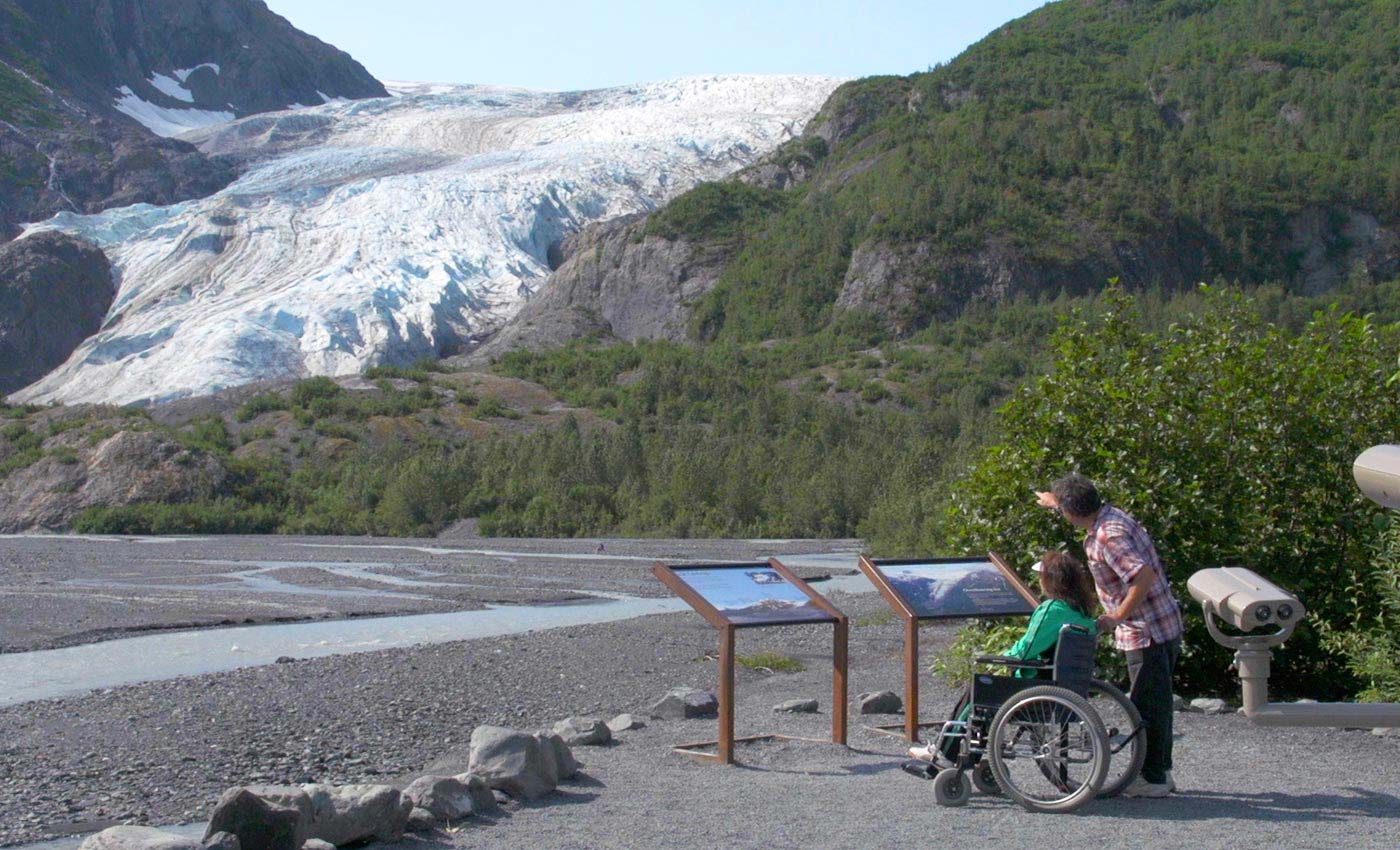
{"x": 162, "y": 752}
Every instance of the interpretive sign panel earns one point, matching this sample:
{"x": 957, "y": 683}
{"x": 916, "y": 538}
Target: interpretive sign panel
{"x": 935, "y": 589}
{"x": 752, "y": 594}
{"x": 735, "y": 596}
{"x": 943, "y": 589}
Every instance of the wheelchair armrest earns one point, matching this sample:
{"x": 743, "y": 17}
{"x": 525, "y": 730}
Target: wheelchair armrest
{"x": 1009, "y": 661}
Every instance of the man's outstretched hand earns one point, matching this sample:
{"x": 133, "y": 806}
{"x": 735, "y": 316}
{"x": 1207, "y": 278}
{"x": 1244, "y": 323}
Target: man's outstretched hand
{"x": 1047, "y": 500}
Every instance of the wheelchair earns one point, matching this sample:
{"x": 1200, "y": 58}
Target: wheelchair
{"x": 1043, "y": 742}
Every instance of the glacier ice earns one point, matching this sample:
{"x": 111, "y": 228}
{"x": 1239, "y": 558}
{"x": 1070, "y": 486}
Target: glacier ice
{"x": 164, "y": 120}
{"x": 381, "y": 231}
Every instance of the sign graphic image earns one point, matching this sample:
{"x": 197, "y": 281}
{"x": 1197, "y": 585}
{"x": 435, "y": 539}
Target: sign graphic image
{"x": 752, "y": 595}
{"x": 955, "y": 589}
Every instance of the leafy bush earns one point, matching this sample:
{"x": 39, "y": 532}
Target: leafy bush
{"x": 1228, "y": 437}
{"x": 774, "y": 661}
{"x": 720, "y": 210}
{"x": 1371, "y": 644}
{"x": 223, "y": 516}
{"x": 260, "y": 404}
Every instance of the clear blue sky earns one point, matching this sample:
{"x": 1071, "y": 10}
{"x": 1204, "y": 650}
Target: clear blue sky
{"x": 555, "y": 44}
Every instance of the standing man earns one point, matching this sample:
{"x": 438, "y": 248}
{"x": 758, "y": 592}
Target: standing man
{"x": 1138, "y": 605}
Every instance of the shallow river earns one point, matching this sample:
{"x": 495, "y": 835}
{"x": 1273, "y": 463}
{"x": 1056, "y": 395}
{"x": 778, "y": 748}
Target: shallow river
{"x": 46, "y": 674}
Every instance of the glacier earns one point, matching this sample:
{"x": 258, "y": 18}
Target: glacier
{"x": 382, "y": 231}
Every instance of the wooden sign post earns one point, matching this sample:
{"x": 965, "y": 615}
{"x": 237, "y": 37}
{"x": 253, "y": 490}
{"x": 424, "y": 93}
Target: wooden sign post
{"x": 942, "y": 589}
{"x": 749, "y": 595}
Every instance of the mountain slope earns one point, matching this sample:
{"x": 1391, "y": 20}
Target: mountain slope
{"x": 1162, "y": 143}
{"x": 88, "y": 86}
{"x": 394, "y": 229}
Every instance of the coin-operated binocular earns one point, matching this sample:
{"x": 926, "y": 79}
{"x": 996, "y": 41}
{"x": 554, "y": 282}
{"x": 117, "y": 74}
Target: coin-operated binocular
{"x": 1245, "y": 602}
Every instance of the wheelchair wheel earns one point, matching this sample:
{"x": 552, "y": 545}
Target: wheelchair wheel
{"x": 950, "y": 788}
{"x": 1127, "y": 740}
{"x": 1049, "y": 750}
{"x": 984, "y": 780}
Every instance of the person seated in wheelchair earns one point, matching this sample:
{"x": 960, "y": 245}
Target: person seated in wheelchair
{"x": 1068, "y": 590}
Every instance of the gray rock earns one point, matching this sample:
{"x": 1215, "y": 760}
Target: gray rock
{"x": 420, "y": 820}
{"x": 259, "y": 823}
{"x": 625, "y": 723}
{"x": 445, "y": 797}
{"x": 1209, "y": 705}
{"x": 1179, "y": 703}
{"x": 798, "y": 706}
{"x": 316, "y": 844}
{"x": 222, "y": 841}
{"x": 345, "y": 814}
{"x": 54, "y": 293}
{"x": 483, "y": 801}
{"x": 1386, "y": 732}
{"x": 565, "y": 764}
{"x": 583, "y": 731}
{"x": 880, "y": 702}
{"x": 138, "y": 838}
{"x": 512, "y": 761}
{"x": 682, "y": 703}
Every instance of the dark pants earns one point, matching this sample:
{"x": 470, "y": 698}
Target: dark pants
{"x": 1150, "y": 671}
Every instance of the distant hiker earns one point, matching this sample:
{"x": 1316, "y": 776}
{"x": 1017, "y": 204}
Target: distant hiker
{"x": 602, "y": 548}
{"x": 1069, "y": 601}
{"x": 1139, "y": 607}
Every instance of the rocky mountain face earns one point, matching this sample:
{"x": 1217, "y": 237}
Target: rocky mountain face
{"x": 89, "y": 88}
{"x": 54, "y": 291}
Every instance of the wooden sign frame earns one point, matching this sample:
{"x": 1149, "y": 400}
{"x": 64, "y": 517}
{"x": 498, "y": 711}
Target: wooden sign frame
{"x": 672, "y": 577}
{"x": 872, "y": 570}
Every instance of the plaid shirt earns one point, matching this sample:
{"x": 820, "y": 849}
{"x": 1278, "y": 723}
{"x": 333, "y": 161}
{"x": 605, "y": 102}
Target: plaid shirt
{"x": 1118, "y": 548}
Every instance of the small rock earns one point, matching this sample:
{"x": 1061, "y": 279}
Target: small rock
{"x": 419, "y": 820}
{"x": 682, "y": 703}
{"x": 138, "y": 838}
{"x": 1209, "y": 705}
{"x": 259, "y": 823}
{"x": 797, "y": 706}
{"x": 345, "y": 814}
{"x": 583, "y": 731}
{"x": 1179, "y": 703}
{"x": 222, "y": 841}
{"x": 880, "y": 702}
{"x": 284, "y": 659}
{"x": 483, "y": 799}
{"x": 625, "y": 723}
{"x": 565, "y": 764}
{"x": 316, "y": 844}
{"x": 513, "y": 761}
{"x": 444, "y": 797}
{"x": 1386, "y": 732}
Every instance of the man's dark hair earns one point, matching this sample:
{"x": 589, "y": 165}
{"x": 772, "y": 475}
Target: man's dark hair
{"x": 1077, "y": 495}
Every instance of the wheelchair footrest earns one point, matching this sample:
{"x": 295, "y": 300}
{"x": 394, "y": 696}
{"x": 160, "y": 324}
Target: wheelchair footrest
{"x": 919, "y": 768}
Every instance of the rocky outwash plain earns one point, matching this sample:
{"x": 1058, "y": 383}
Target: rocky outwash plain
{"x": 165, "y": 752}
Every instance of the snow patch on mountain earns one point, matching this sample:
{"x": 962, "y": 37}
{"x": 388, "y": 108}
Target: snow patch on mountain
{"x": 164, "y": 120}
{"x": 382, "y": 231}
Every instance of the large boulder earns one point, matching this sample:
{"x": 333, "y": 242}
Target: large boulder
{"x": 515, "y": 762}
{"x": 682, "y": 703}
{"x": 345, "y": 814}
{"x": 259, "y": 823}
{"x": 583, "y": 731}
{"x": 54, "y": 293}
{"x": 565, "y": 765}
{"x": 445, "y": 797}
{"x": 138, "y": 838}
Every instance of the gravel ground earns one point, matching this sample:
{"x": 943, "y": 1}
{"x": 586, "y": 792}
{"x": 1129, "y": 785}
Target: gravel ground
{"x": 162, "y": 752}
{"x": 64, "y": 590}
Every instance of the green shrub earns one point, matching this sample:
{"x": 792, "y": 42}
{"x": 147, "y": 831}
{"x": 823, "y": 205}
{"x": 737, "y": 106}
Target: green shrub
{"x": 1228, "y": 437}
{"x": 208, "y": 433}
{"x": 66, "y": 455}
{"x": 315, "y": 389}
{"x": 717, "y": 210}
{"x": 1371, "y": 642}
{"x": 260, "y": 404}
{"x": 223, "y": 516}
{"x": 774, "y": 661}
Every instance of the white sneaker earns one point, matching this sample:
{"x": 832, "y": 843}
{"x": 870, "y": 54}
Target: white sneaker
{"x": 1142, "y": 788}
{"x": 928, "y": 753}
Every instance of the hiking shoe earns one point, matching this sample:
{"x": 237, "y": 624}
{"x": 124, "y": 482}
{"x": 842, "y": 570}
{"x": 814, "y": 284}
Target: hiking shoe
{"x": 1142, "y": 788}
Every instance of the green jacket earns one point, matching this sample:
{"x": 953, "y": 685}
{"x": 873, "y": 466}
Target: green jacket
{"x": 1044, "y": 631}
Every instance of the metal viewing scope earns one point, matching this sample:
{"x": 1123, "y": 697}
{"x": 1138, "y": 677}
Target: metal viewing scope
{"x": 1246, "y": 601}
